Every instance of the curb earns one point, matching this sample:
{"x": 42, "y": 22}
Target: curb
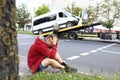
{"x": 102, "y": 40}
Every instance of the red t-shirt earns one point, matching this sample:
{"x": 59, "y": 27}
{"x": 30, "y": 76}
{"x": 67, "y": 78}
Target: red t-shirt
{"x": 37, "y": 52}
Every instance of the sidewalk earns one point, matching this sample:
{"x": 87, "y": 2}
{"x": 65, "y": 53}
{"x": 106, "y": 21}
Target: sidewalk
{"x": 23, "y": 68}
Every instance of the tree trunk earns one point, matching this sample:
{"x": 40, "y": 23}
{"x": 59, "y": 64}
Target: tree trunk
{"x": 109, "y": 30}
{"x": 9, "y": 60}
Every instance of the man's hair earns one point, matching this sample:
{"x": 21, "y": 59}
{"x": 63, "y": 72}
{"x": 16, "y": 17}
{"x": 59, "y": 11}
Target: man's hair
{"x": 51, "y": 35}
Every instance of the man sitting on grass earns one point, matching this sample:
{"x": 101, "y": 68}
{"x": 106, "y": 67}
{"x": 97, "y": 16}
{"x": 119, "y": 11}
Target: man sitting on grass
{"x": 43, "y": 52}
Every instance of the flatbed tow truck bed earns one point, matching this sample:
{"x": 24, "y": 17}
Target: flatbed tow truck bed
{"x": 73, "y": 29}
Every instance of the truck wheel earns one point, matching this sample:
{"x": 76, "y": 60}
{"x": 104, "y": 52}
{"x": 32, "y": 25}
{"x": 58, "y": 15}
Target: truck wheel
{"x": 69, "y": 24}
{"x": 40, "y": 31}
{"x": 72, "y": 35}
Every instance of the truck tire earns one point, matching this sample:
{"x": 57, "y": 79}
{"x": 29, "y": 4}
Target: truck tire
{"x": 72, "y": 35}
{"x": 40, "y": 31}
{"x": 69, "y": 24}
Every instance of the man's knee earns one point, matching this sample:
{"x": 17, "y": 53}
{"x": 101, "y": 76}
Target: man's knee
{"x": 48, "y": 61}
{"x": 51, "y": 61}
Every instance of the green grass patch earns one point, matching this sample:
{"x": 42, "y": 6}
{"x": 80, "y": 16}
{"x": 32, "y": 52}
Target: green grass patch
{"x": 24, "y": 32}
{"x": 66, "y": 76}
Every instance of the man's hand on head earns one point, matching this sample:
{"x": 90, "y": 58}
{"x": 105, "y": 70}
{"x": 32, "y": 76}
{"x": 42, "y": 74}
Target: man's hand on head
{"x": 55, "y": 40}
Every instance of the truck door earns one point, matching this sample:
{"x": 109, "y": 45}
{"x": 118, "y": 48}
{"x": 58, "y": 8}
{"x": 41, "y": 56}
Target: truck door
{"x": 62, "y": 19}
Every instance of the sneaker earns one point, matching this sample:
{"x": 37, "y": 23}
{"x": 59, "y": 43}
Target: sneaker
{"x": 70, "y": 69}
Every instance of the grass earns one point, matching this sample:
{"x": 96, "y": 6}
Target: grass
{"x": 24, "y": 32}
{"x": 67, "y": 76}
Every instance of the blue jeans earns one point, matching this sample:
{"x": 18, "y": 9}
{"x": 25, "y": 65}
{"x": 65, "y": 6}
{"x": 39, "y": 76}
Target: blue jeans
{"x": 40, "y": 68}
{"x": 55, "y": 32}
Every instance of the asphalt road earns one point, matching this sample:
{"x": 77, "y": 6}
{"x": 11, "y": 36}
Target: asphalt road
{"x": 89, "y": 57}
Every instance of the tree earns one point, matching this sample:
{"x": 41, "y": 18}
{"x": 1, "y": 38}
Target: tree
{"x": 22, "y": 15}
{"x": 110, "y": 10}
{"x": 9, "y": 61}
{"x": 68, "y": 9}
{"x": 42, "y": 10}
{"x": 75, "y": 10}
{"x": 92, "y": 14}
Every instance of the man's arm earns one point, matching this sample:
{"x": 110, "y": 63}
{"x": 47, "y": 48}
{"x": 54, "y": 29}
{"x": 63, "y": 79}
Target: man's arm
{"x": 46, "y": 52}
{"x": 49, "y": 53}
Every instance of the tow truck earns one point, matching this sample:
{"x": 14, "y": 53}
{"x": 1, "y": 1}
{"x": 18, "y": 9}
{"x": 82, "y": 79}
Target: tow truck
{"x": 74, "y": 32}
